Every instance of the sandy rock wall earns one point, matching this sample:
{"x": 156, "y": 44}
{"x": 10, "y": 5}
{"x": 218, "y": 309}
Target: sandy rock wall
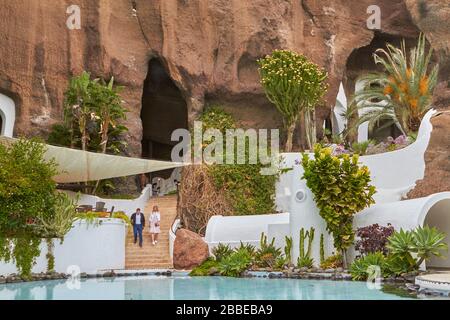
{"x": 209, "y": 49}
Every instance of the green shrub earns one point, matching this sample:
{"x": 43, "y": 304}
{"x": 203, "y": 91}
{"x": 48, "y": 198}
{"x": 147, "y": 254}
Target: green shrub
{"x": 359, "y": 269}
{"x": 246, "y": 189}
{"x": 221, "y": 251}
{"x": 27, "y": 198}
{"x": 341, "y": 189}
{"x": 332, "y": 262}
{"x": 205, "y": 268}
{"x": 267, "y": 255}
{"x": 425, "y": 242}
{"x": 251, "y": 249}
{"x": 234, "y": 264}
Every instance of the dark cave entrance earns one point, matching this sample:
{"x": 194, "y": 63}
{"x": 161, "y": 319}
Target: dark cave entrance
{"x": 163, "y": 111}
{"x": 1, "y": 124}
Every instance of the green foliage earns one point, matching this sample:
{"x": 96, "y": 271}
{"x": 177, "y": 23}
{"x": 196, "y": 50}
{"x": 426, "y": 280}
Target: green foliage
{"x": 359, "y": 269}
{"x": 204, "y": 269}
{"x": 221, "y": 251}
{"x": 92, "y": 114}
{"x": 215, "y": 117}
{"x": 26, "y": 186}
{"x": 293, "y": 84}
{"x": 304, "y": 258}
{"x": 267, "y": 255}
{"x": 50, "y": 255}
{"x": 360, "y": 148}
{"x": 234, "y": 264}
{"x": 341, "y": 189}
{"x": 425, "y": 242}
{"x": 288, "y": 249}
{"x": 332, "y": 262}
{"x": 60, "y": 223}
{"x": 30, "y": 207}
{"x": 247, "y": 247}
{"x": 404, "y": 91}
{"x": 246, "y": 189}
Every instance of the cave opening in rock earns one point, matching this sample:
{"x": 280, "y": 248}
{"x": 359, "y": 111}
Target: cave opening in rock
{"x": 1, "y": 123}
{"x": 163, "y": 111}
{"x": 361, "y": 62}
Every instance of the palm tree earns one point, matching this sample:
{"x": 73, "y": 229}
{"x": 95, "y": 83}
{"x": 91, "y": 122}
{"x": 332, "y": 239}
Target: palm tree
{"x": 403, "y": 92}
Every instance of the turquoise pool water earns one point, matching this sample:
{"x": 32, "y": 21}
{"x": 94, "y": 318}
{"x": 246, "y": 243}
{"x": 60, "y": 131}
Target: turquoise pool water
{"x": 186, "y": 288}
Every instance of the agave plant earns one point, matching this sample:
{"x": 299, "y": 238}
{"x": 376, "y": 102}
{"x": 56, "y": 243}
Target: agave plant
{"x": 360, "y": 268}
{"x": 428, "y": 242}
{"x": 404, "y": 92}
{"x": 222, "y": 251}
{"x": 423, "y": 241}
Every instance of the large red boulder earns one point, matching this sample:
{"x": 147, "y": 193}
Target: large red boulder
{"x": 189, "y": 250}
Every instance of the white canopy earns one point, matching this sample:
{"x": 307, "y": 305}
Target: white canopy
{"x": 79, "y": 166}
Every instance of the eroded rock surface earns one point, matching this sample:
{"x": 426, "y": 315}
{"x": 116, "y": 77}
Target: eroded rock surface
{"x": 437, "y": 160}
{"x": 208, "y": 48}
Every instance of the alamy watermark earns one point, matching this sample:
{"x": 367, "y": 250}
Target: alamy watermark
{"x": 74, "y": 280}
{"x": 374, "y": 20}
{"x": 236, "y": 146}
{"x": 73, "y": 22}
{"x": 373, "y": 277}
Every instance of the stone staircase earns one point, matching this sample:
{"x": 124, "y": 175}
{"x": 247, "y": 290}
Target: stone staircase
{"x": 149, "y": 256}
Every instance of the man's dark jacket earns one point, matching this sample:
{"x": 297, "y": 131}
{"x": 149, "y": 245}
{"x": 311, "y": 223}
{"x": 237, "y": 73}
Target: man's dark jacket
{"x": 133, "y": 219}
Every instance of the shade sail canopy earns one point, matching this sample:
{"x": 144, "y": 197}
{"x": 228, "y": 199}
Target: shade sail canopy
{"x": 79, "y": 166}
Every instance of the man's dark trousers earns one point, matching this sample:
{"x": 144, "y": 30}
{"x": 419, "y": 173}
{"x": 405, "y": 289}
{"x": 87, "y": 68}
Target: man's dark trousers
{"x": 137, "y": 229}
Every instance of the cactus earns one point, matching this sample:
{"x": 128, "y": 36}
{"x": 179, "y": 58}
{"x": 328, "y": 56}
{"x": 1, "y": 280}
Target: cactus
{"x": 322, "y": 249}
{"x": 288, "y": 249}
{"x": 304, "y": 259}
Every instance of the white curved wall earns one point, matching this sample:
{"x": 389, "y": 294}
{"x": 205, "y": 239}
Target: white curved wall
{"x": 8, "y": 115}
{"x": 92, "y": 248}
{"x": 234, "y": 229}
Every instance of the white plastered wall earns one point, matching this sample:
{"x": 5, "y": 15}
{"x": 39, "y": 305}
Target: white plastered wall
{"x": 8, "y": 115}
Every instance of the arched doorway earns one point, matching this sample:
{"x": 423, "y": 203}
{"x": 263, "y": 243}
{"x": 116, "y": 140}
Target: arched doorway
{"x": 439, "y": 216}
{"x": 163, "y": 111}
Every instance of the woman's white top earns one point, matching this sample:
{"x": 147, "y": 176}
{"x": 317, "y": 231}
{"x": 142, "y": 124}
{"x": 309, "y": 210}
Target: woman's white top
{"x": 155, "y": 217}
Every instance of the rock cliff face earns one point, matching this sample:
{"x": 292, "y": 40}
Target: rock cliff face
{"x": 437, "y": 159}
{"x": 208, "y": 48}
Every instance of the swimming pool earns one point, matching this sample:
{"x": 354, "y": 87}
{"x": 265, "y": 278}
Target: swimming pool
{"x": 187, "y": 288}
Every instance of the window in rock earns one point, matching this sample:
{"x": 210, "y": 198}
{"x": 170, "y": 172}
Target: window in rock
{"x": 163, "y": 111}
